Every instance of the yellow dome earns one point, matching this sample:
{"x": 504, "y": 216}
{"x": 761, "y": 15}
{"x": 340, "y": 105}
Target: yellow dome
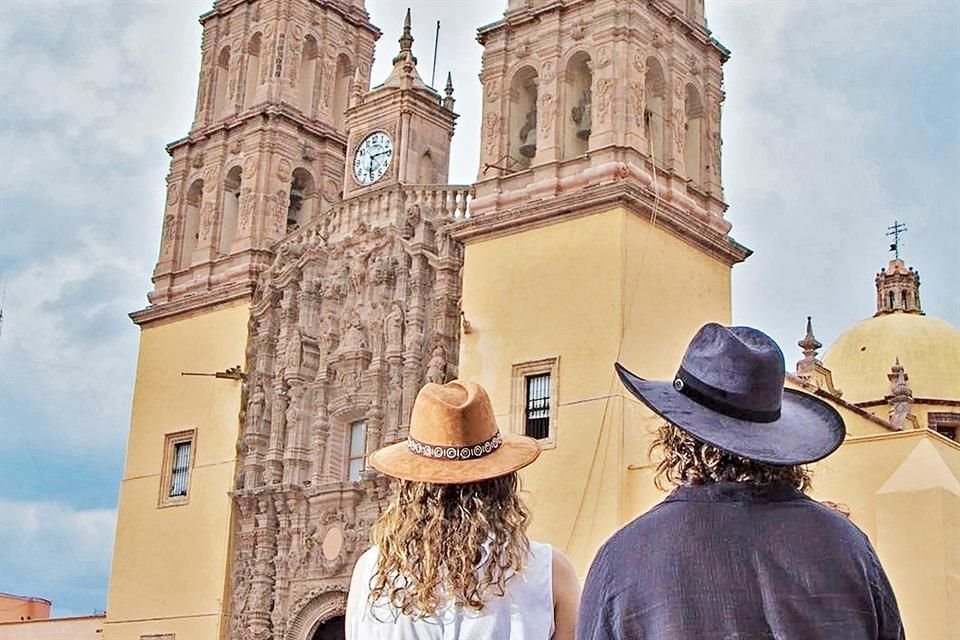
{"x": 928, "y": 348}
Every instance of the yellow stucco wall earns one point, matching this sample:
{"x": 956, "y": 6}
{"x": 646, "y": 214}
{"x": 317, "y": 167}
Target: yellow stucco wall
{"x": 903, "y": 491}
{"x": 170, "y": 563}
{"x": 573, "y": 289}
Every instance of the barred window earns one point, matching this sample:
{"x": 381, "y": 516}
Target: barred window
{"x": 178, "y": 453}
{"x": 537, "y": 423}
{"x": 358, "y": 449}
{"x": 181, "y": 469}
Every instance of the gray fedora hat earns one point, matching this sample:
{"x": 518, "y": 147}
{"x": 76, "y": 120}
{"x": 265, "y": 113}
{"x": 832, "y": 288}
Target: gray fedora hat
{"x": 729, "y": 393}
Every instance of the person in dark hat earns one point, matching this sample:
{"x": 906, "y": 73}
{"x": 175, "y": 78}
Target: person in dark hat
{"x": 737, "y": 550}
{"x": 451, "y": 558}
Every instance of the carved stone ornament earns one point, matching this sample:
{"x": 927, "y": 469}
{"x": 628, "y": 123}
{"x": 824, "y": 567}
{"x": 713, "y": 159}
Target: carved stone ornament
{"x": 604, "y": 97}
{"x": 284, "y": 169}
{"x": 548, "y": 113}
{"x": 249, "y": 167}
{"x": 173, "y": 193}
{"x": 340, "y": 325}
{"x": 549, "y": 71}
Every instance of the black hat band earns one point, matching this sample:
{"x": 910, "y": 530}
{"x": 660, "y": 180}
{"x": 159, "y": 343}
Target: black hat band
{"x": 719, "y": 400}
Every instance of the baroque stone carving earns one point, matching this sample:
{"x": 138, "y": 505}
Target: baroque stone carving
{"x": 604, "y": 88}
{"x": 548, "y": 112}
{"x": 345, "y": 326}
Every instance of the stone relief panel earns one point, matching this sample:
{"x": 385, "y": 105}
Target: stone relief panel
{"x": 351, "y": 319}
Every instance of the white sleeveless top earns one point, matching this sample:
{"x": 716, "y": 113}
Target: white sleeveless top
{"x": 524, "y": 612}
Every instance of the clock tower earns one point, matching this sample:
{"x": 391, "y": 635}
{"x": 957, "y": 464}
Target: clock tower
{"x": 399, "y": 132}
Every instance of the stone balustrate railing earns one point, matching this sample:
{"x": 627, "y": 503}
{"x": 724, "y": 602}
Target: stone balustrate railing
{"x": 382, "y": 207}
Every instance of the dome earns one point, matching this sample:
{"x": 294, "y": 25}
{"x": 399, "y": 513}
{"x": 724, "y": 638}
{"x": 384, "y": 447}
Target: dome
{"x": 928, "y": 349}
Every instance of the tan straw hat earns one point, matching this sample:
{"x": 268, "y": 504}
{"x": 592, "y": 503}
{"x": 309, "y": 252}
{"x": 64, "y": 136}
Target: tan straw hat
{"x": 454, "y": 439}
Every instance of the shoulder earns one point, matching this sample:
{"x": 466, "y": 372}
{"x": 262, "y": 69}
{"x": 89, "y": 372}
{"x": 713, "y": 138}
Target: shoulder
{"x": 564, "y": 573}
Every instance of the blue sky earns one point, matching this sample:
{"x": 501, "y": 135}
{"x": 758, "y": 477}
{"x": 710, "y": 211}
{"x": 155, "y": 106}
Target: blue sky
{"x": 840, "y": 117}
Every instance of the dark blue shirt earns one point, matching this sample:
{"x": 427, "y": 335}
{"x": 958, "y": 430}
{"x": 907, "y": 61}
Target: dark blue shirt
{"x": 734, "y": 561}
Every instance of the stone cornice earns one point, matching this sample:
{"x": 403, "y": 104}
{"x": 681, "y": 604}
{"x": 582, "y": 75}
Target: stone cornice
{"x": 353, "y": 16}
{"x": 941, "y": 402}
{"x": 576, "y": 204}
{"x": 204, "y": 301}
{"x": 264, "y": 110}
{"x": 822, "y": 393}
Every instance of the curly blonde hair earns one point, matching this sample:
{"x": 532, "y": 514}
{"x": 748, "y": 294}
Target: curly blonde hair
{"x": 449, "y": 542}
{"x": 686, "y": 460}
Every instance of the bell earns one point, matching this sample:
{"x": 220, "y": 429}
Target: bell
{"x": 582, "y": 116}
{"x": 528, "y": 135}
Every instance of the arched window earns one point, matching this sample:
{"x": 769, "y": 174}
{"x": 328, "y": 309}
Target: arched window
{"x": 223, "y": 78}
{"x": 903, "y": 298}
{"x": 341, "y": 90}
{"x": 891, "y": 297}
{"x": 577, "y": 106}
{"x": 692, "y": 159}
{"x": 523, "y": 118}
{"x": 655, "y": 90}
{"x": 253, "y": 70}
{"x": 308, "y": 75}
{"x": 231, "y": 205}
{"x": 303, "y": 196}
{"x": 191, "y": 224}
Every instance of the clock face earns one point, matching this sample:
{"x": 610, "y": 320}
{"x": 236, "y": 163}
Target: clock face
{"x": 372, "y": 158}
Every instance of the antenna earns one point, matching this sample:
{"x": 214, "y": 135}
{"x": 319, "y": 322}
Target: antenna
{"x": 436, "y": 41}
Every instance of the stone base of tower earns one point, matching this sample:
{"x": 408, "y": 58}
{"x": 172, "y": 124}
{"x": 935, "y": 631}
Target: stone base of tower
{"x": 170, "y": 562}
{"x": 569, "y": 290}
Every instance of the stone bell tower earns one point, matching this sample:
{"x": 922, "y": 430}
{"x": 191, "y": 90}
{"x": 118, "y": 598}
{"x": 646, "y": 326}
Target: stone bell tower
{"x": 267, "y": 147}
{"x": 264, "y": 156}
{"x": 596, "y": 235}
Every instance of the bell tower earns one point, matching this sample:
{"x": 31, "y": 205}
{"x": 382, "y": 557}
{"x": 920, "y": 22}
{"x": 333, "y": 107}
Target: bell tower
{"x": 264, "y": 156}
{"x": 399, "y": 132}
{"x": 599, "y": 205}
{"x": 267, "y": 147}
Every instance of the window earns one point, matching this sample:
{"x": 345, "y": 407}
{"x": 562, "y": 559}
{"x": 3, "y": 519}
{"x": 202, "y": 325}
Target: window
{"x": 358, "y": 450}
{"x": 179, "y": 453}
{"x": 534, "y": 405}
{"x": 945, "y": 423}
{"x": 537, "y": 420}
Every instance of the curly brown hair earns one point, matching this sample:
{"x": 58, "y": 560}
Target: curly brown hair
{"x": 442, "y": 542}
{"x": 686, "y": 460}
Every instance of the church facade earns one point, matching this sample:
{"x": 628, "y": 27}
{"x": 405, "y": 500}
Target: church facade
{"x": 316, "y": 269}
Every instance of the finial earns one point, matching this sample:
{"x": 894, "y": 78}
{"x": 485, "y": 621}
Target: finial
{"x": 809, "y": 344}
{"x": 448, "y": 93}
{"x": 406, "y": 42}
{"x": 808, "y": 365}
{"x": 894, "y": 232}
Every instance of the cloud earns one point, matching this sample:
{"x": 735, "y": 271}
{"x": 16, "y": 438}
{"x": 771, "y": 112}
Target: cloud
{"x": 53, "y": 550}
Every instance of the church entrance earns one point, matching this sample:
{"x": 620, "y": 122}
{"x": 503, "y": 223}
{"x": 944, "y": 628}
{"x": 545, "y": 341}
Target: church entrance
{"x": 332, "y": 629}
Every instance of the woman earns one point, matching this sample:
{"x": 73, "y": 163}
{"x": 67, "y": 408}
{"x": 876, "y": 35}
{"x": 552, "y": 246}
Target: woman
{"x": 451, "y": 559}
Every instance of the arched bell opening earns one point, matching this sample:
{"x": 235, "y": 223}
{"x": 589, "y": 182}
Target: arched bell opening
{"x": 308, "y": 76}
{"x": 523, "y": 118}
{"x": 303, "y": 197}
{"x": 191, "y": 224}
{"x": 223, "y": 78}
{"x": 231, "y": 205}
{"x": 578, "y": 106}
{"x": 253, "y": 70}
{"x": 654, "y": 121}
{"x": 693, "y": 136}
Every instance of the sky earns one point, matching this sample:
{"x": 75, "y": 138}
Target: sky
{"x": 840, "y": 117}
